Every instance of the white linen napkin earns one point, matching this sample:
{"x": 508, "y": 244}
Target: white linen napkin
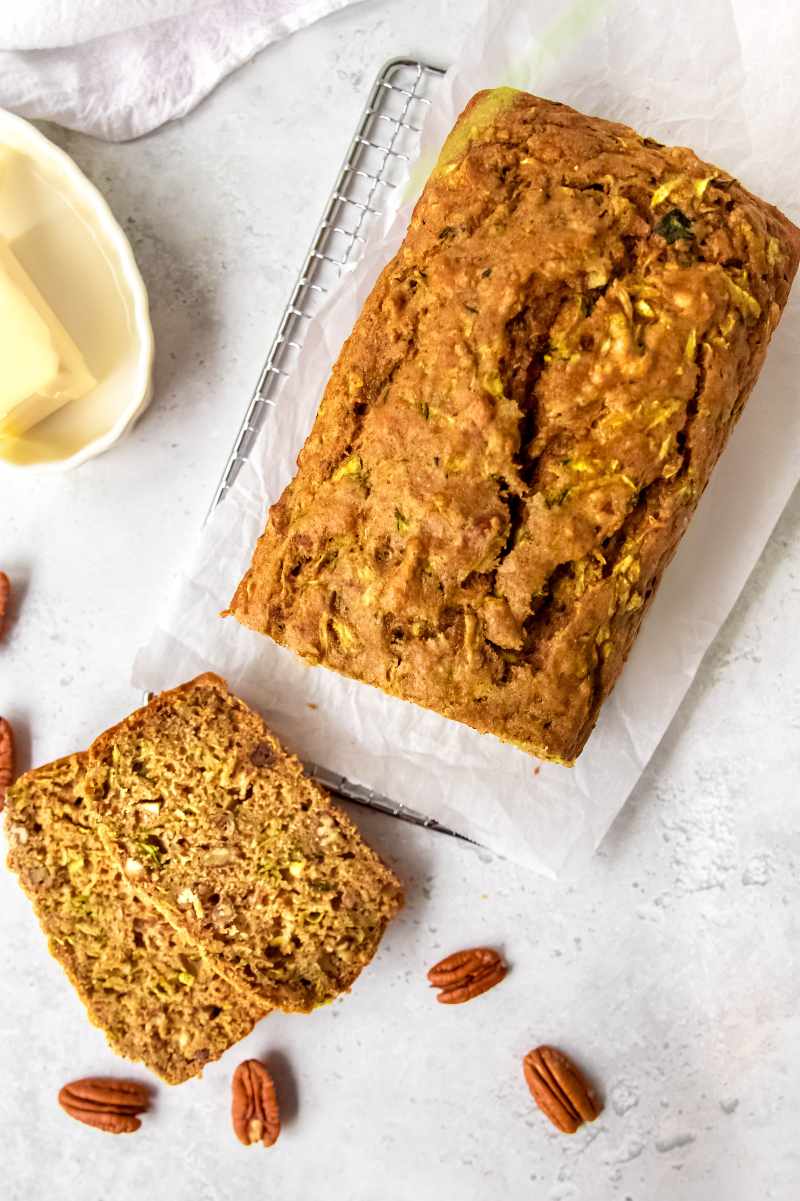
{"x": 120, "y": 68}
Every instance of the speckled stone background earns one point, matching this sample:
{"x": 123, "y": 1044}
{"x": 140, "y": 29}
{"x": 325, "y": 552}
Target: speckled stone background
{"x": 670, "y": 971}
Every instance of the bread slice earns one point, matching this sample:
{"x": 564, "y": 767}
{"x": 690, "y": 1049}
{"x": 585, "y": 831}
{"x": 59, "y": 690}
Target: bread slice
{"x": 157, "y": 998}
{"x": 221, "y": 830}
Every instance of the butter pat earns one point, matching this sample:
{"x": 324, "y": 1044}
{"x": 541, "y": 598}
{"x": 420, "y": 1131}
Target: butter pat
{"x": 41, "y": 368}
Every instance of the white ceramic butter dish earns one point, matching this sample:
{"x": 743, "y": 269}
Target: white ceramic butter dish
{"x": 64, "y": 236}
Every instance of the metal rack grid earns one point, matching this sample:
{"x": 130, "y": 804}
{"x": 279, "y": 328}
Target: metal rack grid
{"x": 378, "y": 160}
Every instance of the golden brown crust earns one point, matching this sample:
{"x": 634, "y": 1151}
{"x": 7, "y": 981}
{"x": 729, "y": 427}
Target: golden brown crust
{"x": 521, "y": 424}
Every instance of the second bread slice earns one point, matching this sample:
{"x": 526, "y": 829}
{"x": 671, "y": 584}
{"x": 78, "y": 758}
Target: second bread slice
{"x": 219, "y": 827}
{"x": 143, "y": 982}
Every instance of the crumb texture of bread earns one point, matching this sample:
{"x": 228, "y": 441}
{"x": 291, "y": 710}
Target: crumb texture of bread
{"x": 520, "y": 426}
{"x": 219, "y": 828}
{"x": 158, "y": 999}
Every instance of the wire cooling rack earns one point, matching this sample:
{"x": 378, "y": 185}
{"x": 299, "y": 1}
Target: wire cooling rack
{"x": 377, "y": 162}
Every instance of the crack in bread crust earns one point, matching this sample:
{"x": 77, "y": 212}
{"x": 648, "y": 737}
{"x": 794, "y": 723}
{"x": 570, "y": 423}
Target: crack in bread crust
{"x": 520, "y": 425}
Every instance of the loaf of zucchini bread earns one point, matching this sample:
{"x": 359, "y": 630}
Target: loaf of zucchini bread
{"x": 158, "y": 999}
{"x": 214, "y": 824}
{"x": 522, "y": 422}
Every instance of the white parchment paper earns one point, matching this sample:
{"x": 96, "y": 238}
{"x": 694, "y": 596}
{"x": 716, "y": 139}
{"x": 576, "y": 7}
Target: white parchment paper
{"x": 715, "y": 76}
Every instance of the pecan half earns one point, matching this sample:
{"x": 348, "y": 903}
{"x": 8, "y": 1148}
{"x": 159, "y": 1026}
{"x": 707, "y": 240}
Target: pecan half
{"x": 560, "y": 1089}
{"x": 109, "y": 1105}
{"x": 467, "y": 974}
{"x": 254, "y": 1109}
{"x": 5, "y": 592}
{"x": 6, "y": 759}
